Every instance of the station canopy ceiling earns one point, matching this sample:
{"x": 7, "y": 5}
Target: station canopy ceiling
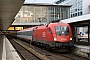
{"x": 8, "y": 11}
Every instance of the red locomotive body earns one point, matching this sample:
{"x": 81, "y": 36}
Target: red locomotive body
{"x": 57, "y": 36}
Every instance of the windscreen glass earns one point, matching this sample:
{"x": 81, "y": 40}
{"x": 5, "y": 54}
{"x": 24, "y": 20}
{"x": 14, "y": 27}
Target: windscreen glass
{"x": 62, "y": 30}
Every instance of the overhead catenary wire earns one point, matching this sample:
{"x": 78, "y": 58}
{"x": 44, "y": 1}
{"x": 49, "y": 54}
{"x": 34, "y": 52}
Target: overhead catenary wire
{"x": 55, "y": 1}
{"x": 33, "y": 1}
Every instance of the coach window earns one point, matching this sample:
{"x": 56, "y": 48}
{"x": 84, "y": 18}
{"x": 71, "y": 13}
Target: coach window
{"x": 81, "y": 34}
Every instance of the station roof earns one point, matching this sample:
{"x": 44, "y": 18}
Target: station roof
{"x": 77, "y": 19}
{"x": 46, "y": 4}
{"x": 8, "y": 10}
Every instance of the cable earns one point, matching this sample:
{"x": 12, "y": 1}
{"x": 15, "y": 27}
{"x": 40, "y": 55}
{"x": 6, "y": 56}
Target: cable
{"x": 33, "y": 1}
{"x": 56, "y": 0}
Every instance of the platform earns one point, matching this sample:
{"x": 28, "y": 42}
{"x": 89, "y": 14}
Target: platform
{"x": 7, "y": 51}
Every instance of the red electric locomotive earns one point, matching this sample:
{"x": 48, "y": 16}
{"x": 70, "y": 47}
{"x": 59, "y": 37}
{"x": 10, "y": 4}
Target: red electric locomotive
{"x": 57, "y": 36}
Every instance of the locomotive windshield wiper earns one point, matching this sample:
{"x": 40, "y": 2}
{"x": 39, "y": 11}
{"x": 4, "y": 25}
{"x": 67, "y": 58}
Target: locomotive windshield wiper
{"x": 60, "y": 34}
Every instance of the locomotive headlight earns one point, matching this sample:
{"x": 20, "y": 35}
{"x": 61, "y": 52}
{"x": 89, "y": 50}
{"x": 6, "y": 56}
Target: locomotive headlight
{"x": 70, "y": 38}
{"x": 55, "y": 39}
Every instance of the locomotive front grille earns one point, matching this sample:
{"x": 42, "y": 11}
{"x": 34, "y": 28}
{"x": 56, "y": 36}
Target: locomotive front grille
{"x": 61, "y": 44}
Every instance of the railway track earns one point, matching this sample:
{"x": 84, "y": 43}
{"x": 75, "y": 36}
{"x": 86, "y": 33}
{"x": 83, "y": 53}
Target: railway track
{"x": 47, "y": 54}
{"x": 27, "y": 53}
{"x": 60, "y": 56}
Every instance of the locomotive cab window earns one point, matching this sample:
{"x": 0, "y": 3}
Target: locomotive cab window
{"x": 62, "y": 30}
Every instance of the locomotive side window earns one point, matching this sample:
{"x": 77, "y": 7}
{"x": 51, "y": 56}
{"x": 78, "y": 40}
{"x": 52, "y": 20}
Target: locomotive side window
{"x": 50, "y": 31}
{"x": 62, "y": 30}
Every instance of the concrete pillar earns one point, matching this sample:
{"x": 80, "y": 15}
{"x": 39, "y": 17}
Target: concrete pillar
{"x": 89, "y": 36}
